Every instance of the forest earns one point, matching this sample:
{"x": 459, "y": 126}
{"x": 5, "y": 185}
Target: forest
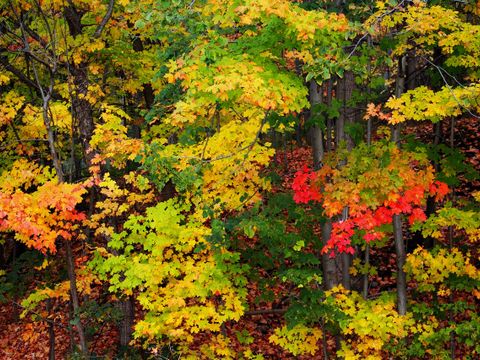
{"x": 239, "y": 179}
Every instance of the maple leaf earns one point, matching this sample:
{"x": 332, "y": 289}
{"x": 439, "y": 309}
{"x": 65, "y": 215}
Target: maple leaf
{"x": 304, "y": 187}
{"x": 439, "y": 190}
{"x": 417, "y": 215}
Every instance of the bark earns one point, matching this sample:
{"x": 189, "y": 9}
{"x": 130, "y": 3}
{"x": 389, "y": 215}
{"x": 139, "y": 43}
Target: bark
{"x": 126, "y": 325}
{"x": 329, "y": 268}
{"x": 369, "y": 121}
{"x": 397, "y": 219}
{"x": 344, "y": 92}
{"x": 431, "y": 205}
{"x": 450, "y": 245}
{"x": 328, "y": 264}
{"x": 345, "y": 87}
{"x": 349, "y": 111}
{"x": 418, "y": 239}
{"x": 105, "y": 19}
{"x": 369, "y": 131}
{"x": 82, "y": 112}
{"x": 330, "y": 278}
{"x": 365, "y": 276}
{"x": 82, "y": 109}
{"x": 70, "y": 329}
{"x": 367, "y": 246}
{"x": 340, "y": 121}
{"x": 147, "y": 91}
{"x": 19, "y": 74}
{"x": 346, "y": 260}
{"x": 51, "y": 144}
{"x": 369, "y": 142}
{"x": 411, "y": 70}
{"x": 75, "y": 299}
{"x": 316, "y": 135}
{"x": 125, "y": 305}
{"x": 437, "y": 134}
{"x": 264, "y": 311}
{"x": 324, "y": 341}
{"x": 275, "y": 145}
{"x": 329, "y": 120}
{"x": 452, "y": 133}
{"x": 317, "y": 144}
{"x": 299, "y": 133}
{"x": 51, "y": 332}
{"x": 401, "y": 276}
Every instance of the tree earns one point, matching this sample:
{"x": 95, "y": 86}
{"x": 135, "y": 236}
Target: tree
{"x": 140, "y": 142}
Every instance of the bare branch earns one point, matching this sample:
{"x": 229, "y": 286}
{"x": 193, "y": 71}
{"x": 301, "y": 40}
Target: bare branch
{"x": 377, "y": 20}
{"x": 20, "y": 75}
{"x": 105, "y": 19}
{"x": 442, "y": 73}
{"x": 264, "y": 312}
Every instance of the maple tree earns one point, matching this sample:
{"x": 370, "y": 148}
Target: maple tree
{"x": 173, "y": 171}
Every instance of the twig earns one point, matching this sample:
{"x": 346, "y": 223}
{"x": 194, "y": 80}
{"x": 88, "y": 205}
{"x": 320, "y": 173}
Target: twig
{"x": 264, "y": 311}
{"x": 441, "y": 72}
{"x": 377, "y": 20}
{"x": 47, "y": 320}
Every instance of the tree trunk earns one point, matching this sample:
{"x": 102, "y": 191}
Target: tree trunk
{"x": 329, "y": 268}
{"x": 126, "y": 325}
{"x": 345, "y": 87}
{"x": 365, "y": 276}
{"x": 369, "y": 90}
{"x": 147, "y": 91}
{"x": 401, "y": 276}
{"x": 75, "y": 300}
{"x": 418, "y": 239}
{"x": 411, "y": 70}
{"x": 51, "y": 331}
{"x": 60, "y": 176}
{"x": 346, "y": 260}
{"x": 369, "y": 142}
{"x": 316, "y": 134}
{"x": 317, "y": 145}
{"x": 397, "y": 219}
{"x": 450, "y": 244}
{"x": 340, "y": 121}
{"x": 329, "y": 120}
{"x": 82, "y": 109}
{"x": 328, "y": 264}
{"x": 344, "y": 92}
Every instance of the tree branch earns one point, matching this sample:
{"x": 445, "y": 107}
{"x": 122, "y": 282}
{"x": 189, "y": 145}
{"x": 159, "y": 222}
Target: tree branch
{"x": 104, "y": 21}
{"x": 20, "y": 75}
{"x": 264, "y": 311}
